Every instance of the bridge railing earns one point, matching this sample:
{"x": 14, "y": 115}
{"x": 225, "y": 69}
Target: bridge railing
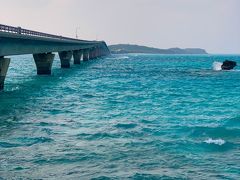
{"x": 19, "y": 30}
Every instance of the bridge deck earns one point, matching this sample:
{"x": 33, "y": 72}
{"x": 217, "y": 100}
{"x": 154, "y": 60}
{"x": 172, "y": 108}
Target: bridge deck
{"x": 17, "y": 41}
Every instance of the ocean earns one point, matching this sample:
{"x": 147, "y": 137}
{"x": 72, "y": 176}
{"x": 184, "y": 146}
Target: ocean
{"x": 134, "y": 116}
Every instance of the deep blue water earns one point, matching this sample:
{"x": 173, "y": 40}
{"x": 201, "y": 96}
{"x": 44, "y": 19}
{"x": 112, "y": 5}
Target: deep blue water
{"x": 122, "y": 117}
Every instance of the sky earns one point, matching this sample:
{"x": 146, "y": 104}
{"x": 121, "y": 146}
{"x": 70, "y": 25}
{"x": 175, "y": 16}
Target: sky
{"x": 210, "y": 24}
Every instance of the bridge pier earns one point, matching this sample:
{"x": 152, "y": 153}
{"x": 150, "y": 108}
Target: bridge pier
{"x": 97, "y": 52}
{"x": 90, "y": 54}
{"x": 44, "y": 63}
{"x": 65, "y": 57}
{"x": 77, "y": 55}
{"x": 100, "y": 52}
{"x": 4, "y": 64}
{"x": 86, "y": 55}
{"x": 94, "y": 55}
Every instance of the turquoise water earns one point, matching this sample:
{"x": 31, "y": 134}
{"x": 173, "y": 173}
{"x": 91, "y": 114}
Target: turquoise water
{"x": 122, "y": 117}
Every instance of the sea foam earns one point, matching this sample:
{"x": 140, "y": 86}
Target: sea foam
{"x": 217, "y": 66}
{"x": 215, "y": 141}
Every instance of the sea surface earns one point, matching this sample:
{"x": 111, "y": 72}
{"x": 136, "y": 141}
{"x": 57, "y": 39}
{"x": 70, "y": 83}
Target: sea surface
{"x": 122, "y": 117}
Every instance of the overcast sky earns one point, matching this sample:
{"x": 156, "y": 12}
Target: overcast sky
{"x": 210, "y": 24}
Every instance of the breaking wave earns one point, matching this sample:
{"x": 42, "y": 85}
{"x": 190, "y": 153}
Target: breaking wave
{"x": 219, "y": 142}
{"x": 217, "y": 66}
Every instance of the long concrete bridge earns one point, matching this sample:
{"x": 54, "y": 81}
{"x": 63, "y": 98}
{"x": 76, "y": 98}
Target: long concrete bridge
{"x": 18, "y": 41}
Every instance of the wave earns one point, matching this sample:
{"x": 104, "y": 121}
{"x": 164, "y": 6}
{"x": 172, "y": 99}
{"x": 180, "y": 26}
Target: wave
{"x": 233, "y": 122}
{"x": 235, "y": 70}
{"x": 24, "y": 141}
{"x": 126, "y": 126}
{"x": 117, "y": 57}
{"x": 219, "y": 142}
{"x": 217, "y": 66}
{"x": 123, "y": 57}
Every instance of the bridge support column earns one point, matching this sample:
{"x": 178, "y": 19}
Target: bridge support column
{"x": 100, "y": 52}
{"x": 65, "y": 57}
{"x": 77, "y": 55}
{"x": 85, "y": 55}
{"x": 44, "y": 63}
{"x": 81, "y": 55}
{"x": 4, "y": 64}
{"x": 90, "y": 54}
{"x": 97, "y": 52}
{"x": 94, "y": 56}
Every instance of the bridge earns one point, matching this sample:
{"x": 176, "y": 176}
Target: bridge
{"x": 43, "y": 46}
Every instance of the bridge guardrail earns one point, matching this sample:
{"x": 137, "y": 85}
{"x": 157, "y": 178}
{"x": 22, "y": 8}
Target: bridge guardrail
{"x": 19, "y": 30}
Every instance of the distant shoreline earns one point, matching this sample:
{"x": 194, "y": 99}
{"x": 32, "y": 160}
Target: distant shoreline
{"x": 129, "y": 48}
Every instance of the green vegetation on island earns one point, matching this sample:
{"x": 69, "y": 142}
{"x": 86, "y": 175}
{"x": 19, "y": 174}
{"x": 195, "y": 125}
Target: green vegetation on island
{"x": 128, "y": 48}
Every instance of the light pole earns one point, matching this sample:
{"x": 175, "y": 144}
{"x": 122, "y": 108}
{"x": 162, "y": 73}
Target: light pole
{"x": 77, "y": 28}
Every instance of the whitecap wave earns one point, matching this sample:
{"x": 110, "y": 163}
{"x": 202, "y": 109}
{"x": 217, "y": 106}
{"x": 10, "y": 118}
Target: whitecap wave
{"x": 215, "y": 141}
{"x": 122, "y": 57}
{"x": 118, "y": 57}
{"x": 217, "y": 66}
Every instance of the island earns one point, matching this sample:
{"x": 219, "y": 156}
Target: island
{"x": 129, "y": 48}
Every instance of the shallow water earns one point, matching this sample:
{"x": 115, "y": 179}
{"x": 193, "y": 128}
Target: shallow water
{"x": 122, "y": 117}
